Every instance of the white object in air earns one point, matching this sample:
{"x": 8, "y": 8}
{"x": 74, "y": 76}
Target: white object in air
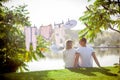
{"x": 70, "y": 24}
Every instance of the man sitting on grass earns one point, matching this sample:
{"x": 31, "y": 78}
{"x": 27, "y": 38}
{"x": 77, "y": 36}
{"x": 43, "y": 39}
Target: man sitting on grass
{"x": 84, "y": 55}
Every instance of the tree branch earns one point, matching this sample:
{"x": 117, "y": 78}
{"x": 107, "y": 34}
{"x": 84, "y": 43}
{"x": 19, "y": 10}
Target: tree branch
{"x": 109, "y": 1}
{"x": 88, "y": 8}
{"x": 87, "y": 26}
{"x": 114, "y": 29}
{"x": 110, "y": 10}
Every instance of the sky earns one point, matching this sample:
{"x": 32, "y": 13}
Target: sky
{"x": 44, "y": 12}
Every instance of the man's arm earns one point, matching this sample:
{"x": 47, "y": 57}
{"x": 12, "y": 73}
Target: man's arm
{"x": 95, "y": 58}
{"x": 77, "y": 55}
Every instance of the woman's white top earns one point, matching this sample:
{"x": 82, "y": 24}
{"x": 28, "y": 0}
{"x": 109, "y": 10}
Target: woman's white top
{"x": 69, "y": 57}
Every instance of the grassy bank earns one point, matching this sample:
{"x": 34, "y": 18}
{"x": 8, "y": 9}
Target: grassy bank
{"x": 108, "y": 73}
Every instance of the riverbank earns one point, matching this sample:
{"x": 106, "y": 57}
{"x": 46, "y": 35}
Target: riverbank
{"x": 106, "y": 46}
{"x": 107, "y": 73}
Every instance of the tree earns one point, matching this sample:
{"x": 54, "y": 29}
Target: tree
{"x": 100, "y": 16}
{"x": 13, "y": 54}
{"x": 12, "y": 46}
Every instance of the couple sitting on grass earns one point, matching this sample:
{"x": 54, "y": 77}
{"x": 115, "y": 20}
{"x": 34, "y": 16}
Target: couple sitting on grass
{"x": 82, "y": 57}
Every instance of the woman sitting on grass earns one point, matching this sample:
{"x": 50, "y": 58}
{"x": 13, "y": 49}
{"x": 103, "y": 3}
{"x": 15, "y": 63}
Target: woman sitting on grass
{"x": 69, "y": 54}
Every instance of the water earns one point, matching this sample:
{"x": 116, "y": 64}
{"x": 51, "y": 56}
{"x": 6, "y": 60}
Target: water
{"x": 106, "y": 57}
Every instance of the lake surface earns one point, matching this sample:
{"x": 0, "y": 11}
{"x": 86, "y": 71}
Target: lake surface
{"x": 106, "y": 57}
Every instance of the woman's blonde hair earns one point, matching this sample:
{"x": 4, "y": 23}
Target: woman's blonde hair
{"x": 67, "y": 42}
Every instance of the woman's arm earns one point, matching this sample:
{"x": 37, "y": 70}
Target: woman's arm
{"x": 64, "y": 58}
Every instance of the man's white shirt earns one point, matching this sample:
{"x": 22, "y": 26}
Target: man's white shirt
{"x": 85, "y": 56}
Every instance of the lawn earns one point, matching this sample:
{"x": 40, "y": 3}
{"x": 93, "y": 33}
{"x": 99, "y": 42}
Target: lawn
{"x": 107, "y": 73}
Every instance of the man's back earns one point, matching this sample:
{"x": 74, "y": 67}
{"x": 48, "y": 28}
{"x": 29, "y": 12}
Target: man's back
{"x": 85, "y": 56}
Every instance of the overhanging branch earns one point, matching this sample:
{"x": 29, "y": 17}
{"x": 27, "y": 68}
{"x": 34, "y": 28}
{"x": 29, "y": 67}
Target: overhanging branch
{"x": 110, "y": 10}
{"x": 114, "y": 29}
{"x": 87, "y": 26}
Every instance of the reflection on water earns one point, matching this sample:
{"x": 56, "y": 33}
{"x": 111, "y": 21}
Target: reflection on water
{"x": 106, "y": 57}
{"x": 107, "y": 51}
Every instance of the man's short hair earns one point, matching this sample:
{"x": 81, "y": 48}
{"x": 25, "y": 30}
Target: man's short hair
{"x": 84, "y": 40}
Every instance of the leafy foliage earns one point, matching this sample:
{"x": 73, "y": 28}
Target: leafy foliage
{"x": 100, "y": 16}
{"x": 42, "y": 46}
{"x": 13, "y": 54}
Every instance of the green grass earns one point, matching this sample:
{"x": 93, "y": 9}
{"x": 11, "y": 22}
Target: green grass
{"x": 107, "y": 73}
